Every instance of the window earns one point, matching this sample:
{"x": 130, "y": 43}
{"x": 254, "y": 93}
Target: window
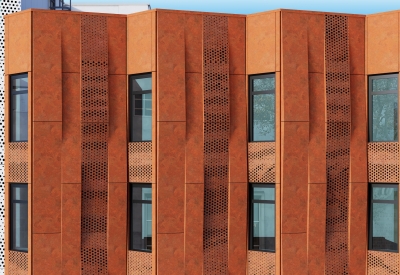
{"x": 262, "y": 217}
{"x": 384, "y": 217}
{"x": 140, "y": 223}
{"x": 19, "y": 217}
{"x": 262, "y": 107}
{"x": 140, "y": 107}
{"x": 19, "y": 108}
{"x": 383, "y": 107}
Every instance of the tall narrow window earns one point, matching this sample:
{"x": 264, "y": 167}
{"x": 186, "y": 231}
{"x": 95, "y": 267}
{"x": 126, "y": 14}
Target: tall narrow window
{"x": 19, "y": 108}
{"x": 384, "y": 217}
{"x": 19, "y": 217}
{"x": 383, "y": 107}
{"x": 141, "y": 216}
{"x": 140, "y": 107}
{"x": 262, "y": 217}
{"x": 262, "y": 107}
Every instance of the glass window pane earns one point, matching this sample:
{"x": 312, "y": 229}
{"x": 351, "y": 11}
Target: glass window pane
{"x": 264, "y": 193}
{"x": 385, "y": 226}
{"x": 385, "y": 193}
{"x": 384, "y": 117}
{"x": 146, "y": 194}
{"x": 264, "y": 84}
{"x": 263, "y": 117}
{"x": 20, "y": 226}
{"x": 141, "y": 84}
{"x": 141, "y": 113}
{"x": 263, "y": 226}
{"x": 384, "y": 84}
{"x": 19, "y": 108}
{"x": 19, "y": 193}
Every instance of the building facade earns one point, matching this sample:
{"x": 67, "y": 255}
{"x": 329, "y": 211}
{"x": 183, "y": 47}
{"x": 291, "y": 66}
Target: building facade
{"x": 174, "y": 142}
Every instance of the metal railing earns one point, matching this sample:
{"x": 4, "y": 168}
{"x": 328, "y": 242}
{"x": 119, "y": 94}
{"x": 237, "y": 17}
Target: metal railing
{"x": 60, "y": 5}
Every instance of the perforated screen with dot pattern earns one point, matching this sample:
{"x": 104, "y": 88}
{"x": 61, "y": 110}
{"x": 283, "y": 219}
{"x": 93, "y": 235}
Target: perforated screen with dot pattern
{"x": 139, "y": 263}
{"x": 261, "y": 157}
{"x": 260, "y": 263}
{"x": 216, "y": 139}
{"x": 337, "y": 76}
{"x": 383, "y": 162}
{"x": 17, "y": 263}
{"x": 94, "y": 133}
{"x": 383, "y": 263}
{"x": 140, "y": 163}
{"x": 18, "y": 162}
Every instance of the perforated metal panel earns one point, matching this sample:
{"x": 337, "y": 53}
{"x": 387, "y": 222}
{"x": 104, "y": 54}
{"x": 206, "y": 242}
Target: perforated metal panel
{"x": 216, "y": 139}
{"x": 338, "y": 142}
{"x": 260, "y": 263}
{"x": 383, "y": 263}
{"x": 140, "y": 163}
{"x": 261, "y": 157}
{"x": 17, "y": 263}
{"x": 94, "y": 133}
{"x": 18, "y": 162}
{"x": 383, "y": 162}
{"x": 139, "y": 263}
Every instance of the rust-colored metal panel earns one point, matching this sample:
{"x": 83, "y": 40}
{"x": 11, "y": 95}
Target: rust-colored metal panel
{"x": 383, "y": 263}
{"x": 47, "y": 259}
{"x": 316, "y": 228}
{"x": 170, "y": 253}
{"x": 140, "y": 161}
{"x": 278, "y": 44}
{"x": 216, "y": 143}
{"x": 237, "y": 44}
{"x": 71, "y": 229}
{"x": 170, "y": 66}
{"x": 315, "y": 39}
{"x": 237, "y": 236}
{"x": 19, "y": 42}
{"x": 117, "y": 227}
{"x": 139, "y": 263}
{"x": 17, "y": 263}
{"x": 317, "y": 144}
{"x": 139, "y": 42}
{"x": 261, "y": 43}
{"x": 47, "y": 67}
{"x": 260, "y": 263}
{"x": 295, "y": 96}
{"x": 17, "y": 162}
{"x": 278, "y": 134}
{"x": 117, "y": 139}
{"x": 46, "y": 196}
{"x": 194, "y": 129}
{"x": 295, "y": 138}
{"x": 383, "y": 162}
{"x": 70, "y": 25}
{"x": 261, "y": 159}
{"x": 117, "y": 45}
{"x": 294, "y": 254}
{"x": 193, "y": 42}
{"x": 194, "y": 209}
{"x": 382, "y": 43}
{"x": 338, "y": 113}
{"x": 71, "y": 130}
{"x": 357, "y": 44}
{"x": 238, "y": 129}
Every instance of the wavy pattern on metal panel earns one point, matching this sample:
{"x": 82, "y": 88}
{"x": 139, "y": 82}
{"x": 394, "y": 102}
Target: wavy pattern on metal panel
{"x": 261, "y": 157}
{"x": 338, "y": 143}
{"x": 139, "y": 263}
{"x": 260, "y": 263}
{"x": 17, "y": 263}
{"x": 383, "y": 162}
{"x": 94, "y": 133}
{"x": 6, "y": 7}
{"x": 216, "y": 142}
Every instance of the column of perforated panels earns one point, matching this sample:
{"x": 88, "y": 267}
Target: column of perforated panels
{"x": 337, "y": 74}
{"x": 216, "y": 143}
{"x": 94, "y": 133}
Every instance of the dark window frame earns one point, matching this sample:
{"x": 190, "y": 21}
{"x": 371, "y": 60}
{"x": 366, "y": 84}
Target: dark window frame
{"x": 251, "y": 213}
{"x": 370, "y": 102}
{"x": 251, "y": 94}
{"x": 11, "y": 227}
{"x": 11, "y": 93}
{"x": 370, "y": 218}
{"x": 130, "y": 98}
{"x": 131, "y": 201}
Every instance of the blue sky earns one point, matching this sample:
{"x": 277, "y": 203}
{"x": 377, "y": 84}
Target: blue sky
{"x": 252, "y": 6}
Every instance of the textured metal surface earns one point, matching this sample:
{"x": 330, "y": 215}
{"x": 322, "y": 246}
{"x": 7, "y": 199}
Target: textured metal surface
{"x": 383, "y": 162}
{"x": 140, "y": 163}
{"x": 260, "y": 263}
{"x": 383, "y": 263}
{"x": 216, "y": 143}
{"x": 261, "y": 157}
{"x": 94, "y": 133}
{"x": 18, "y": 162}
{"x": 338, "y": 142}
{"x": 139, "y": 263}
{"x": 17, "y": 263}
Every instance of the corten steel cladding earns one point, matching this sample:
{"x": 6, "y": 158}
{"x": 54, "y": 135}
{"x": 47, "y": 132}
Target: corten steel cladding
{"x": 139, "y": 263}
{"x": 260, "y": 263}
{"x": 140, "y": 163}
{"x": 383, "y": 162}
{"x": 94, "y": 132}
{"x": 383, "y": 263}
{"x": 337, "y": 76}
{"x": 261, "y": 157}
{"x": 17, "y": 263}
{"x": 216, "y": 142}
{"x": 18, "y": 162}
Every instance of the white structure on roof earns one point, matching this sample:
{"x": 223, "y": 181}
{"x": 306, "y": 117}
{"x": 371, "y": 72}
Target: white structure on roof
{"x": 111, "y": 8}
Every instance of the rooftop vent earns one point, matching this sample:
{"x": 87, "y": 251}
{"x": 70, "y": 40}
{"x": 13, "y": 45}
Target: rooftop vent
{"x": 64, "y": 5}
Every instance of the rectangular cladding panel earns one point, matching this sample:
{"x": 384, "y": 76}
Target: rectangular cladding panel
{"x": 337, "y": 75}
{"x": 139, "y": 263}
{"x": 94, "y": 135}
{"x": 260, "y": 263}
{"x": 261, "y": 157}
{"x": 140, "y": 162}
{"x": 18, "y": 162}
{"x": 216, "y": 143}
{"x": 383, "y": 263}
{"x": 383, "y": 162}
{"x": 17, "y": 263}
